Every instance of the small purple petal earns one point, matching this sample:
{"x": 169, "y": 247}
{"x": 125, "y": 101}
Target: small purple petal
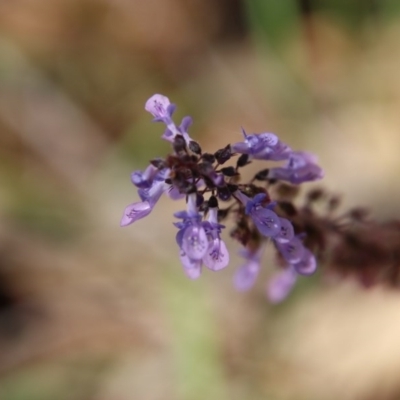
{"x": 194, "y": 242}
{"x": 246, "y": 275}
{"x": 307, "y": 265}
{"x": 268, "y": 140}
{"x": 292, "y": 251}
{"x": 157, "y": 105}
{"x": 267, "y": 222}
{"x": 301, "y": 167}
{"x": 168, "y": 135}
{"x": 173, "y": 193}
{"x": 135, "y": 211}
{"x": 217, "y": 257}
{"x": 240, "y": 147}
{"x": 286, "y": 233}
{"x": 280, "y": 285}
{"x": 186, "y": 122}
{"x": 170, "y": 109}
{"x": 191, "y": 267}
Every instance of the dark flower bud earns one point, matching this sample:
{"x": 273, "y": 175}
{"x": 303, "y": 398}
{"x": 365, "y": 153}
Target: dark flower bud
{"x": 179, "y": 144}
{"x": 208, "y": 157}
{"x": 190, "y": 188}
{"x": 262, "y": 175}
{"x": 224, "y": 193}
{"x": 168, "y": 181}
{"x": 199, "y": 200}
{"x": 159, "y": 163}
{"x": 205, "y": 168}
{"x": 242, "y": 161}
{"x": 223, "y": 155}
{"x": 194, "y": 147}
{"x": 203, "y": 207}
{"x": 232, "y": 188}
{"x": 228, "y": 171}
{"x": 212, "y": 202}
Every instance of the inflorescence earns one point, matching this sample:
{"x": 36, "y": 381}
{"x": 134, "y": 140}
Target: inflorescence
{"x": 211, "y": 184}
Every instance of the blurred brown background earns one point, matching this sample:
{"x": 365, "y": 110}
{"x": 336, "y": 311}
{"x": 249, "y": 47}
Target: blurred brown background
{"x": 92, "y": 311}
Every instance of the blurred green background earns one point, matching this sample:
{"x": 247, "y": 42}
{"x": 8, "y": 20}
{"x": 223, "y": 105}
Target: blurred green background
{"x": 91, "y": 311}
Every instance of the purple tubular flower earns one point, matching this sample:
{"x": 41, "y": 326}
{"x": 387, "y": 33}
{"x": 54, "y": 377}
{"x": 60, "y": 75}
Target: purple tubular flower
{"x": 262, "y": 146}
{"x": 281, "y": 284}
{"x": 191, "y": 238}
{"x": 267, "y": 222}
{"x": 194, "y": 242}
{"x": 246, "y": 275}
{"x": 292, "y": 251}
{"x": 286, "y": 233}
{"x": 135, "y": 211}
{"x": 301, "y": 167}
{"x": 200, "y": 242}
{"x": 162, "y": 109}
{"x": 217, "y": 256}
{"x": 307, "y": 264}
{"x": 191, "y": 268}
{"x": 149, "y": 197}
{"x": 144, "y": 179}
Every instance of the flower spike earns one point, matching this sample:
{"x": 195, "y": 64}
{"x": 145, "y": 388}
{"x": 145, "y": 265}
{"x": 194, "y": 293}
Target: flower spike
{"x": 206, "y": 179}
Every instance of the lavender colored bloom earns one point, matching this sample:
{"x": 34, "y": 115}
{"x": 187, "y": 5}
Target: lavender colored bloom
{"x": 192, "y": 268}
{"x": 190, "y": 172}
{"x": 149, "y": 196}
{"x": 191, "y": 238}
{"x": 267, "y": 222}
{"x": 307, "y": 264}
{"x": 217, "y": 256}
{"x": 200, "y": 242}
{"x": 292, "y": 251}
{"x": 281, "y": 284}
{"x": 286, "y": 232}
{"x": 301, "y": 167}
{"x": 160, "y": 107}
{"x": 262, "y": 146}
{"x": 135, "y": 211}
{"x": 246, "y": 275}
{"x": 144, "y": 179}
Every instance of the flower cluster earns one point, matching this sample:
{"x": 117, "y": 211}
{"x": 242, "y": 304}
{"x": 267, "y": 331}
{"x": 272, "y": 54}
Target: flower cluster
{"x": 204, "y": 180}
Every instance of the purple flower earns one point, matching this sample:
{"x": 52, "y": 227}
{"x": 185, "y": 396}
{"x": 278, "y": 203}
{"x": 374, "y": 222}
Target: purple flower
{"x": 262, "y": 146}
{"x": 162, "y": 109}
{"x": 246, "y": 275}
{"x": 267, "y": 222}
{"x": 286, "y": 232}
{"x": 200, "y": 242}
{"x": 149, "y": 196}
{"x": 144, "y": 179}
{"x": 281, "y": 284}
{"x": 301, "y": 167}
{"x": 292, "y": 251}
{"x": 135, "y": 211}
{"x": 152, "y": 185}
{"x": 217, "y": 256}
{"x": 307, "y": 264}
{"x": 191, "y": 238}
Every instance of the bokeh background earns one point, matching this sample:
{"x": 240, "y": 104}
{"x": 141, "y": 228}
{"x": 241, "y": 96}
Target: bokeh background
{"x": 91, "y": 311}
